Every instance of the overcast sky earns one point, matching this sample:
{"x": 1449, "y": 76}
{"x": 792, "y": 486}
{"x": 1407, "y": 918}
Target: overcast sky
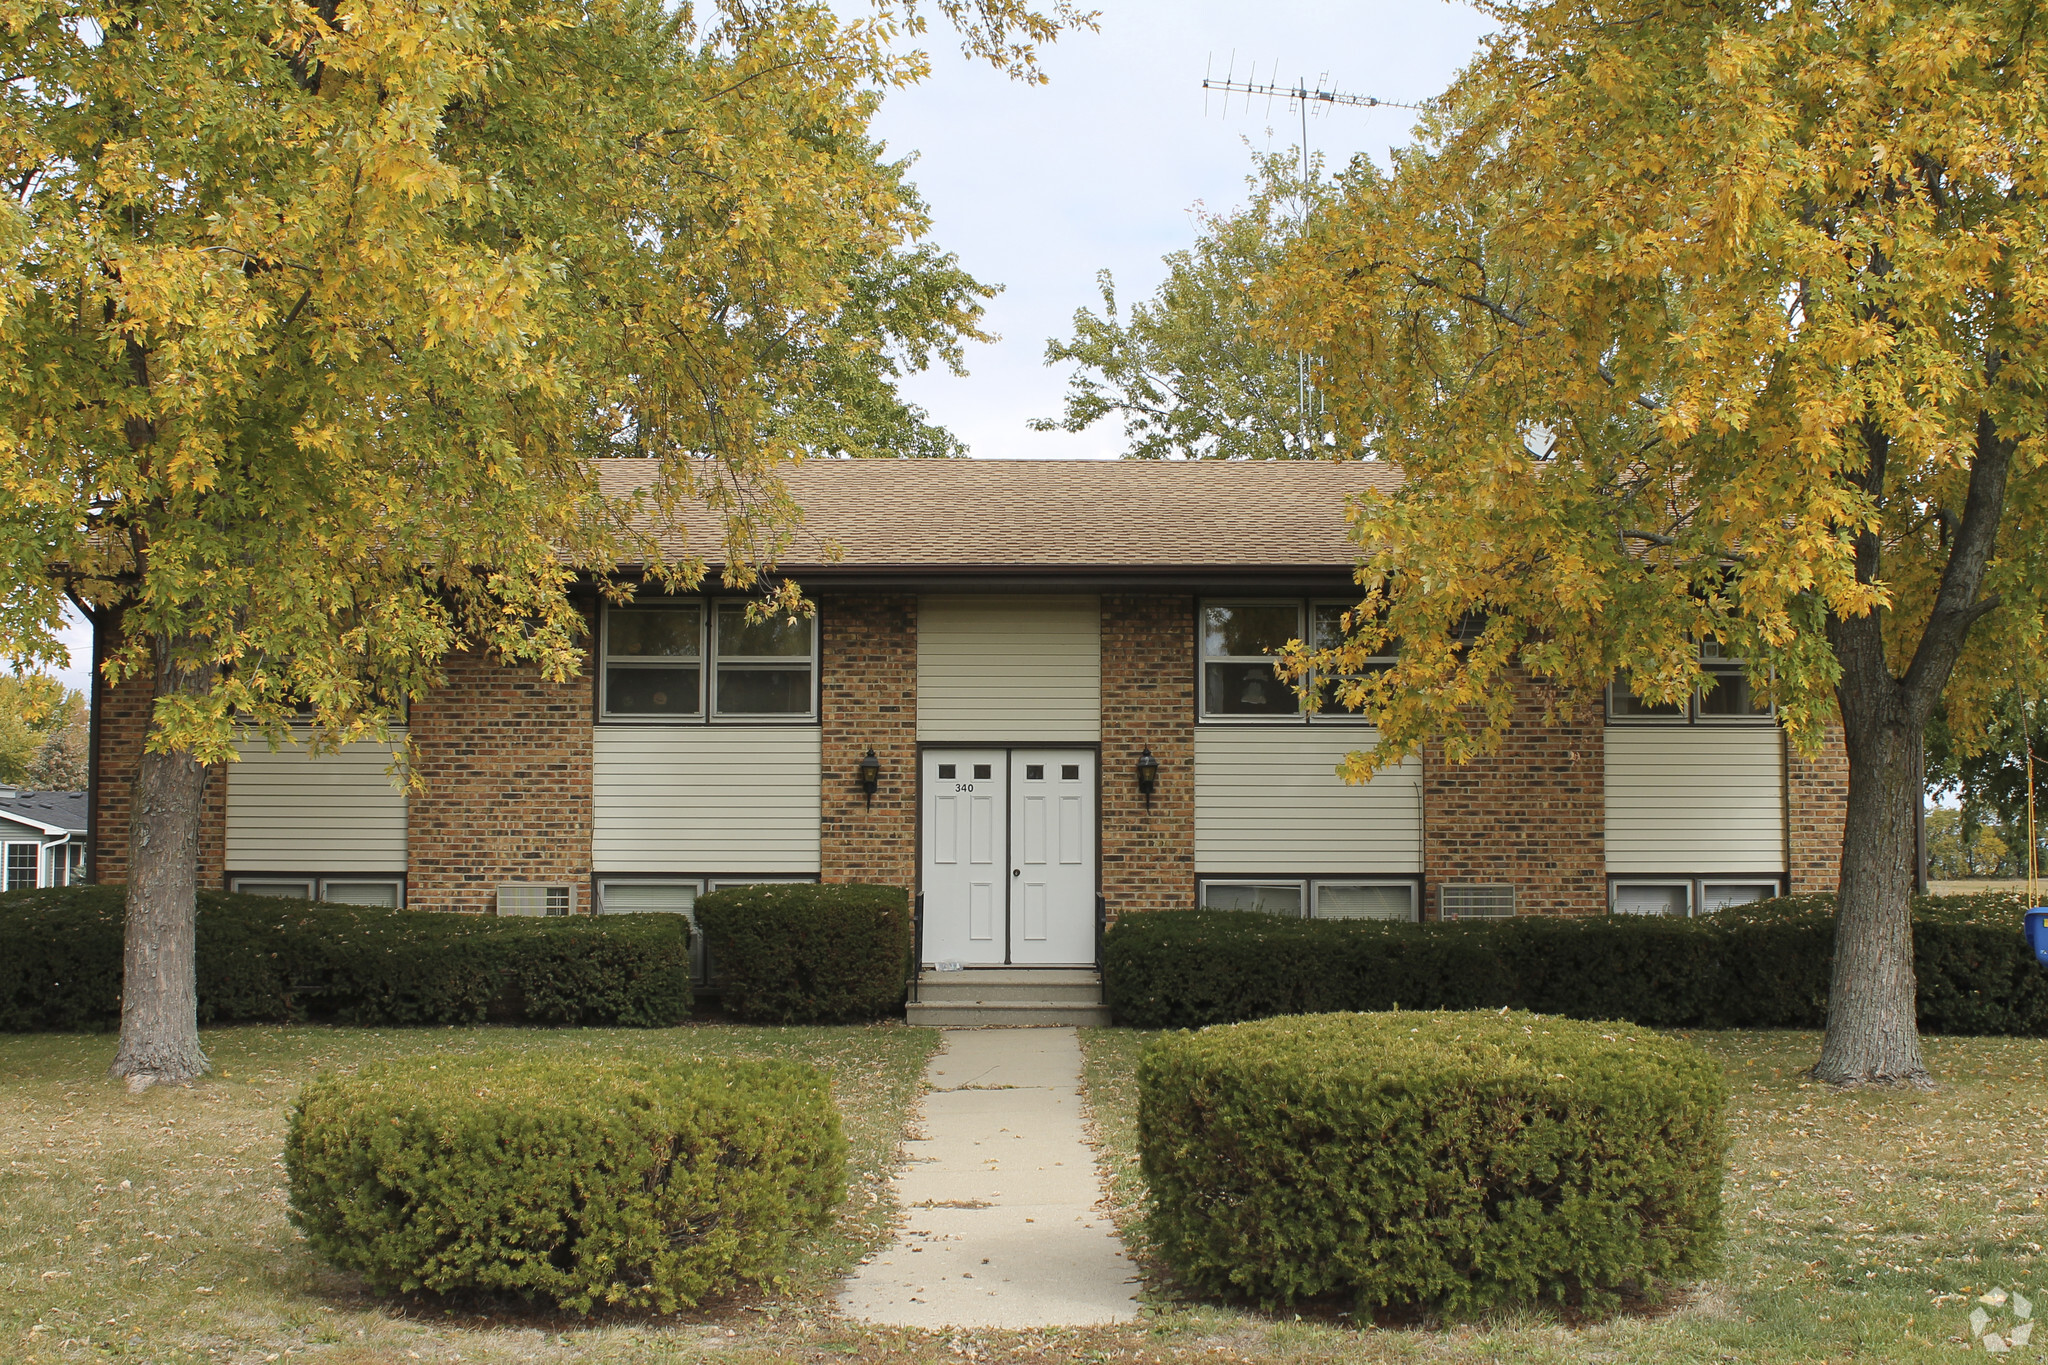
{"x": 1039, "y": 187}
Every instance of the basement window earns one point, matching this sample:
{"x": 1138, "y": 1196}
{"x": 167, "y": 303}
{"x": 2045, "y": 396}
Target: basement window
{"x": 388, "y": 892}
{"x": 1285, "y": 898}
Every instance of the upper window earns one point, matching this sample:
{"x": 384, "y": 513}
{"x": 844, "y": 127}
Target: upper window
{"x": 1725, "y": 695}
{"x": 1239, "y": 642}
{"x": 678, "y": 660}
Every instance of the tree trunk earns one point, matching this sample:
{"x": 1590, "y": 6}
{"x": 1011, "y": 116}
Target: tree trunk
{"x": 159, "y": 983}
{"x": 1873, "y": 1035}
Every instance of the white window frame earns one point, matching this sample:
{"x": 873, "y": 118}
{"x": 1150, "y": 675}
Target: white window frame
{"x": 1304, "y": 625}
{"x": 397, "y": 885}
{"x": 312, "y": 885}
{"x": 1408, "y": 884}
{"x": 1775, "y": 887}
{"x": 316, "y": 885}
{"x": 7, "y": 864}
{"x": 1689, "y": 712}
{"x": 1684, "y": 884}
{"x": 708, "y": 661}
{"x": 1299, "y": 884}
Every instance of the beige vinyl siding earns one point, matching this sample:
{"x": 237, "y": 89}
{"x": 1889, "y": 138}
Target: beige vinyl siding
{"x": 706, "y": 798}
{"x": 996, "y": 668}
{"x": 1268, "y": 799}
{"x": 338, "y": 812}
{"x": 1695, "y": 798}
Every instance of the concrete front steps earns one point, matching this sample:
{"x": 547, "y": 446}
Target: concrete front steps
{"x": 989, "y": 997}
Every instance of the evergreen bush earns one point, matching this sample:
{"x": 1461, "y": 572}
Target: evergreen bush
{"x": 573, "y": 1182}
{"x": 799, "y": 952}
{"x": 262, "y": 958}
{"x": 1454, "y": 1161}
{"x": 1756, "y": 966}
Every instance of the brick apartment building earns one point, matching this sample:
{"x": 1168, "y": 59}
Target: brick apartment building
{"x": 1024, "y": 648}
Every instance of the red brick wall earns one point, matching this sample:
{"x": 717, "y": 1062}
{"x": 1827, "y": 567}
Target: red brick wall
{"x": 1533, "y": 814}
{"x": 117, "y": 735}
{"x": 868, "y": 699}
{"x": 1816, "y": 804}
{"x": 1148, "y": 701}
{"x": 506, "y": 760}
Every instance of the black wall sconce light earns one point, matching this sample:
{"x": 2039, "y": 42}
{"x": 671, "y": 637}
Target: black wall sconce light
{"x": 870, "y": 775}
{"x": 1148, "y": 775}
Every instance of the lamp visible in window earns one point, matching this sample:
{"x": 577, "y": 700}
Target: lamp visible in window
{"x": 1254, "y": 691}
{"x": 870, "y": 775}
{"x": 1148, "y": 775}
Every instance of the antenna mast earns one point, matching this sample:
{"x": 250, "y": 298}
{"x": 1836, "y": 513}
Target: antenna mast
{"x": 1303, "y": 94}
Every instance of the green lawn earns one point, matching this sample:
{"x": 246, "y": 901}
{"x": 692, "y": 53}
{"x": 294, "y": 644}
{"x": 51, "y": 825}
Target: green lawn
{"x": 1861, "y": 1225}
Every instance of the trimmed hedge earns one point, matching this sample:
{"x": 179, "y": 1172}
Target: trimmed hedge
{"x": 1454, "y": 1161}
{"x": 268, "y": 959}
{"x": 801, "y": 953}
{"x": 573, "y": 1182}
{"x": 1758, "y": 966}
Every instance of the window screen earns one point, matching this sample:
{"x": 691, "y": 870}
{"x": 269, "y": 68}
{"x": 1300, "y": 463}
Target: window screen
{"x": 1268, "y": 898}
{"x": 1365, "y": 900}
{"x": 1653, "y": 898}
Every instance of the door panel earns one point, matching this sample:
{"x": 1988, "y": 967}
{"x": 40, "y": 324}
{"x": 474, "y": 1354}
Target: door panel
{"x": 965, "y": 862}
{"x": 1009, "y": 856}
{"x": 1052, "y": 809}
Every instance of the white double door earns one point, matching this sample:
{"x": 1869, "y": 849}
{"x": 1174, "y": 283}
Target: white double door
{"x": 1009, "y": 857}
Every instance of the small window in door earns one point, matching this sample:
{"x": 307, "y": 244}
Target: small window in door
{"x": 984, "y": 770}
{"x": 1070, "y": 772}
{"x": 947, "y": 770}
{"x": 1034, "y": 772}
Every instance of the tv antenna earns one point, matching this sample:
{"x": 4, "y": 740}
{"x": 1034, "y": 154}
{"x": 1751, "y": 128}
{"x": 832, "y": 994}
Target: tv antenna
{"x": 1301, "y": 92}
{"x": 1304, "y": 95}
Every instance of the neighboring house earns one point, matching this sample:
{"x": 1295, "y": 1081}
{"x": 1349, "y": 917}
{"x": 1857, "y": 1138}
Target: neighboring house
{"x": 1018, "y": 644}
{"x": 42, "y": 838}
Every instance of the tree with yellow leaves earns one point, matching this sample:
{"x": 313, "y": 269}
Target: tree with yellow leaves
{"x": 311, "y": 314}
{"x": 1711, "y": 327}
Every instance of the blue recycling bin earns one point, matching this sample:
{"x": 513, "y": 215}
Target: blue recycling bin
{"x": 2037, "y": 934}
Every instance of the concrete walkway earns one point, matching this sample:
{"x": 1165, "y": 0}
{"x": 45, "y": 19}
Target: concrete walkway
{"x": 999, "y": 1192}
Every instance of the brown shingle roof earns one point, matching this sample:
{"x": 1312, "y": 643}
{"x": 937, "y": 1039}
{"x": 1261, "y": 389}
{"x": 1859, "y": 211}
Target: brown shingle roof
{"x": 1077, "y": 515}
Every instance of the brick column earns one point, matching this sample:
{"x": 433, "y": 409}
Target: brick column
{"x": 118, "y": 732}
{"x": 1534, "y": 813}
{"x": 1816, "y": 808}
{"x": 1148, "y": 701}
{"x": 868, "y": 699}
{"x": 506, "y": 760}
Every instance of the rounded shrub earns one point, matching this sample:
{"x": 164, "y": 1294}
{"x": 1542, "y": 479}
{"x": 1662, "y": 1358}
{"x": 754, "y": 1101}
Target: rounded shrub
{"x": 800, "y": 953}
{"x": 570, "y": 1181}
{"x": 1453, "y": 1161}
